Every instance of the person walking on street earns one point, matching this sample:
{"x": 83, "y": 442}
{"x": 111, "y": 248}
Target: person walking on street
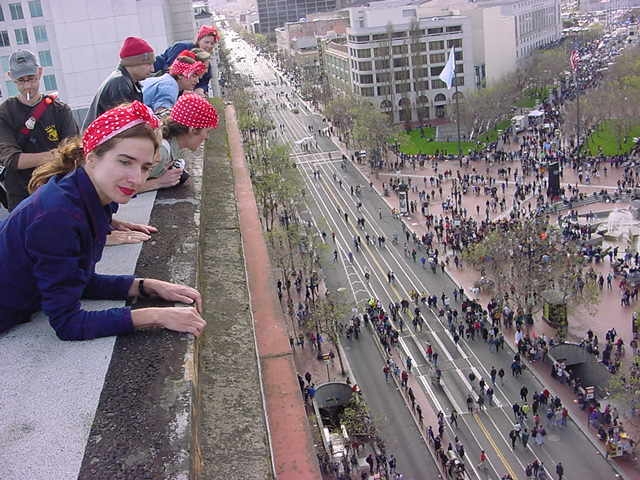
{"x": 483, "y": 461}
{"x": 560, "y": 470}
{"x": 453, "y": 418}
{"x": 501, "y": 375}
{"x": 513, "y": 436}
{"x": 524, "y": 437}
{"x": 412, "y": 397}
{"x": 524, "y": 391}
{"x": 493, "y": 374}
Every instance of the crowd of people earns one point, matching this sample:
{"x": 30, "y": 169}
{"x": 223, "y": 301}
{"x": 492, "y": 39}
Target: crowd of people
{"x": 63, "y": 189}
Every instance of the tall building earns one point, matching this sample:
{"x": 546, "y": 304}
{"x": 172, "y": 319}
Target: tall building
{"x": 78, "y": 41}
{"x": 275, "y": 13}
{"x": 396, "y": 49}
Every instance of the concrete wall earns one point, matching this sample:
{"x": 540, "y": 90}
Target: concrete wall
{"x": 499, "y": 44}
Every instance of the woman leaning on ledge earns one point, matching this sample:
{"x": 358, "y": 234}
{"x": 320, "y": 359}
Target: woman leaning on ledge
{"x": 50, "y": 244}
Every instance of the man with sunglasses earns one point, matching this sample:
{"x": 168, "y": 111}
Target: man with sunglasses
{"x": 31, "y": 127}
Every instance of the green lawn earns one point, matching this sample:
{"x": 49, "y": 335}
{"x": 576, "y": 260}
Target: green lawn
{"x": 605, "y": 140}
{"x": 532, "y": 96}
{"x": 413, "y": 142}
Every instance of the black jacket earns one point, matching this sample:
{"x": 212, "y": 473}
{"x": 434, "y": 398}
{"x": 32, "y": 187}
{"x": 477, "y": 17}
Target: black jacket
{"x": 118, "y": 88}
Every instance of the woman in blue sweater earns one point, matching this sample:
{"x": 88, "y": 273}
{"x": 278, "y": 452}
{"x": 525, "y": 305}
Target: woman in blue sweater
{"x": 206, "y": 39}
{"x": 50, "y": 244}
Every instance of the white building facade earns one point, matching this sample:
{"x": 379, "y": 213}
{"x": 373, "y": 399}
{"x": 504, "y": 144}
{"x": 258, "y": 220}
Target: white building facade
{"x": 78, "y": 41}
{"x": 397, "y": 49}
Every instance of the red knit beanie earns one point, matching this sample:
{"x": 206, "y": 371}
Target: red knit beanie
{"x": 136, "y": 51}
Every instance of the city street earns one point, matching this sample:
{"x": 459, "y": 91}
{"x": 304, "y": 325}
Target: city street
{"x": 333, "y": 200}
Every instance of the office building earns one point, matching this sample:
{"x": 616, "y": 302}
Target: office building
{"x": 395, "y": 50}
{"x": 275, "y": 13}
{"x": 78, "y": 41}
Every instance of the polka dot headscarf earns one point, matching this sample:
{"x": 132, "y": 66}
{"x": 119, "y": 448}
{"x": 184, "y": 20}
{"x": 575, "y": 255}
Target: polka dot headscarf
{"x": 115, "y": 121}
{"x": 194, "y": 111}
{"x": 178, "y": 67}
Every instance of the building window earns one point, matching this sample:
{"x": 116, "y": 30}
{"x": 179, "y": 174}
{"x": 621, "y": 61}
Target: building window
{"x": 401, "y": 75}
{"x": 4, "y": 39}
{"x": 403, "y": 87}
{"x": 455, "y": 28}
{"x": 1, "y": 14}
{"x": 384, "y": 90}
{"x": 398, "y": 34}
{"x": 40, "y": 32}
{"x": 458, "y": 55}
{"x": 367, "y": 91}
{"x": 409, "y": 12}
{"x": 435, "y": 71}
{"x": 400, "y": 49}
{"x": 366, "y": 78}
{"x": 12, "y": 90}
{"x": 364, "y": 66}
{"x": 50, "y": 82}
{"x": 45, "y": 58}
{"x": 380, "y": 51}
{"x": 16, "y": 11}
{"x": 418, "y": 47}
{"x": 458, "y": 81}
{"x": 362, "y": 38}
{"x": 456, "y": 43}
{"x": 382, "y": 64}
{"x": 379, "y": 36}
{"x": 401, "y": 62}
{"x": 364, "y": 53}
{"x": 421, "y": 85}
{"x": 382, "y": 77}
{"x": 437, "y": 45}
{"x": 436, "y": 58}
{"x": 4, "y": 63}
{"x": 35, "y": 8}
{"x": 422, "y": 72}
{"x": 22, "y": 37}
{"x": 434, "y": 31}
{"x": 437, "y": 83}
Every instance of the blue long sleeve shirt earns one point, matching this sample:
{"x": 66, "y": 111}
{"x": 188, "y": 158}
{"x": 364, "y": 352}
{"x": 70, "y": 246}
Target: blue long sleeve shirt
{"x": 49, "y": 247}
{"x": 160, "y": 92}
{"x": 164, "y": 61}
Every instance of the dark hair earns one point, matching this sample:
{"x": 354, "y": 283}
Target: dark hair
{"x": 70, "y": 155}
{"x": 172, "y": 129}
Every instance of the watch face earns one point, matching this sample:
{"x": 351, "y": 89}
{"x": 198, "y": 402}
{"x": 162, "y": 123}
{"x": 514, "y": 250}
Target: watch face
{"x": 30, "y": 123}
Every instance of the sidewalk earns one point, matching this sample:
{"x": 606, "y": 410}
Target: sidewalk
{"x": 609, "y": 306}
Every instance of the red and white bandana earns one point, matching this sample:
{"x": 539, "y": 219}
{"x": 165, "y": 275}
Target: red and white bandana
{"x": 115, "y": 121}
{"x": 185, "y": 69}
{"x": 194, "y": 111}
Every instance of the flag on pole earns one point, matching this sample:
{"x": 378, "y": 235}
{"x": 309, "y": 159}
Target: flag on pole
{"x": 574, "y": 59}
{"x": 449, "y": 71}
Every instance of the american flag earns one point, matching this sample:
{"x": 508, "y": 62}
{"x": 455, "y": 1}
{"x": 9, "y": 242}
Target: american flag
{"x": 573, "y": 60}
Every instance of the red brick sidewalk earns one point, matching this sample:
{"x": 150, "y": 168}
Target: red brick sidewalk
{"x": 290, "y": 437}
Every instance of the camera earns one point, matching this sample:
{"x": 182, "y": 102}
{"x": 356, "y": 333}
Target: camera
{"x": 180, "y": 163}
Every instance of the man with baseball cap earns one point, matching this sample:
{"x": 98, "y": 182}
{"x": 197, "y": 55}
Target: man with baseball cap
{"x": 31, "y": 127}
{"x": 123, "y": 85}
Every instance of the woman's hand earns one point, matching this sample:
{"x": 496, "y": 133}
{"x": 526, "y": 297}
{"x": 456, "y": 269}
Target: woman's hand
{"x": 178, "y": 319}
{"x": 122, "y": 237}
{"x": 173, "y": 292}
{"x": 134, "y": 227}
